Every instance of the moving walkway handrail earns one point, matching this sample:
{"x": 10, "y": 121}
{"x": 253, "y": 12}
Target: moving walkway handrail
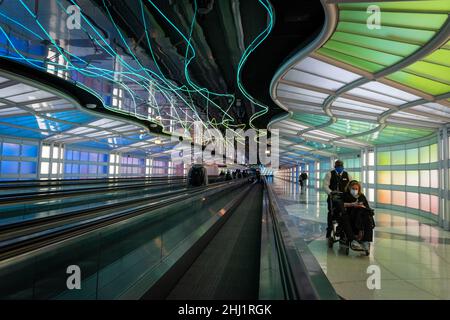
{"x": 33, "y": 223}
{"x": 296, "y": 281}
{"x": 69, "y": 215}
{"x": 44, "y": 195}
{"x": 21, "y": 244}
{"x": 51, "y": 194}
{"x": 64, "y": 182}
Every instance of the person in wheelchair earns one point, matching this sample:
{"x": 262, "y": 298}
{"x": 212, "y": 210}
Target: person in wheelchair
{"x": 357, "y": 217}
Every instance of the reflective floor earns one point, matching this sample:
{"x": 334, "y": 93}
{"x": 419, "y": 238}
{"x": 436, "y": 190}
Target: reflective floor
{"x": 411, "y": 252}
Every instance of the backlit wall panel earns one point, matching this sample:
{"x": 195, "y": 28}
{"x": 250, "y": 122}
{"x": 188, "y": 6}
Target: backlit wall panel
{"x": 18, "y": 159}
{"x": 407, "y": 177}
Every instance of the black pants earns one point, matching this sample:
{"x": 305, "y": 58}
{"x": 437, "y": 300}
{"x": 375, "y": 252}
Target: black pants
{"x": 329, "y": 217}
{"x": 302, "y": 184}
{"x": 336, "y": 206}
{"x": 346, "y": 225}
{"x": 361, "y": 220}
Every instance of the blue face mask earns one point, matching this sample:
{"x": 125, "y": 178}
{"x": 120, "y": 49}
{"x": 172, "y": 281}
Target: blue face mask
{"x": 339, "y": 169}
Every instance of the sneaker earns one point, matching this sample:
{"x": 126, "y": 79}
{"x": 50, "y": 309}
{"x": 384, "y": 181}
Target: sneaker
{"x": 366, "y": 245}
{"x": 355, "y": 245}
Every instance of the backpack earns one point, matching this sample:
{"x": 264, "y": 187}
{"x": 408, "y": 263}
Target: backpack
{"x": 197, "y": 177}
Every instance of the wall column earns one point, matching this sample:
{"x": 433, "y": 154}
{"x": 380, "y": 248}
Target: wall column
{"x": 444, "y": 207}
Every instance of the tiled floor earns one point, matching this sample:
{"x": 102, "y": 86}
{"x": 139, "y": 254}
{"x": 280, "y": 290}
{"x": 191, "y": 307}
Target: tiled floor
{"x": 411, "y": 252}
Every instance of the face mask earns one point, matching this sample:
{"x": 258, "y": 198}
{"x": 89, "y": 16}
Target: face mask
{"x": 354, "y": 193}
{"x": 339, "y": 169}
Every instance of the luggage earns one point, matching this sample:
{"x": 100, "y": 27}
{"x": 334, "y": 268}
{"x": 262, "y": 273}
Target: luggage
{"x": 197, "y": 176}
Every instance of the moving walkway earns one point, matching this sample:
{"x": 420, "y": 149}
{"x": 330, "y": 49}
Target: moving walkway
{"x": 199, "y": 243}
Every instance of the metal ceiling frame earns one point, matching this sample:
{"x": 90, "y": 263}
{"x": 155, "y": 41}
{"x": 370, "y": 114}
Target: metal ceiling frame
{"x": 438, "y": 40}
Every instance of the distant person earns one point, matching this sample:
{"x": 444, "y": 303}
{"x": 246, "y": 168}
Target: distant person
{"x": 258, "y": 175}
{"x": 335, "y": 180}
{"x": 303, "y": 178}
{"x": 228, "y": 176}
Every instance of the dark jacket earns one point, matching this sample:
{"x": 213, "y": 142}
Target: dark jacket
{"x": 339, "y": 182}
{"x": 349, "y": 198}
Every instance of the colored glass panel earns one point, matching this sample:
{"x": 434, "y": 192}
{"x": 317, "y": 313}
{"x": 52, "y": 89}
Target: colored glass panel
{"x": 93, "y": 157}
{"x": 310, "y": 119}
{"x": 384, "y": 158}
{"x": 28, "y": 167}
{"x": 412, "y": 200}
{"x": 373, "y": 56}
{"x": 424, "y": 21}
{"x": 384, "y": 196}
{"x": 425, "y": 154}
{"x": 413, "y": 36}
{"x": 29, "y": 151}
{"x": 399, "y": 198}
{"x": 420, "y": 83}
{"x": 393, "y": 47}
{"x": 434, "y": 179}
{"x": 384, "y": 177}
{"x": 434, "y": 152}
{"x": 440, "y": 56}
{"x": 398, "y": 157}
{"x": 348, "y": 127}
{"x": 9, "y": 167}
{"x": 84, "y": 156}
{"x": 412, "y": 178}
{"x": 434, "y": 205}
{"x": 351, "y": 60}
{"x": 398, "y": 178}
{"x": 412, "y": 156}
{"x": 425, "y": 202}
{"x": 425, "y": 178}
{"x": 393, "y": 134}
{"x": 11, "y": 149}
{"x": 76, "y": 155}
{"x": 411, "y": 6}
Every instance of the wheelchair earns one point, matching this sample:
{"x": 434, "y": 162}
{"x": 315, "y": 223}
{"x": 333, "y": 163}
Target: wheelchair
{"x": 337, "y": 232}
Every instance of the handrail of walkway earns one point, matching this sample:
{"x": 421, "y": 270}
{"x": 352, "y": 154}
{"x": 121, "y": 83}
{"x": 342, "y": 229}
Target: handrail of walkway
{"x": 288, "y": 269}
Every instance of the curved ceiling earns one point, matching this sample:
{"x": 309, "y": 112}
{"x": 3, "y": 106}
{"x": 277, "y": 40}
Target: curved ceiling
{"x": 359, "y": 85}
{"x": 29, "y": 109}
{"x": 167, "y": 62}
